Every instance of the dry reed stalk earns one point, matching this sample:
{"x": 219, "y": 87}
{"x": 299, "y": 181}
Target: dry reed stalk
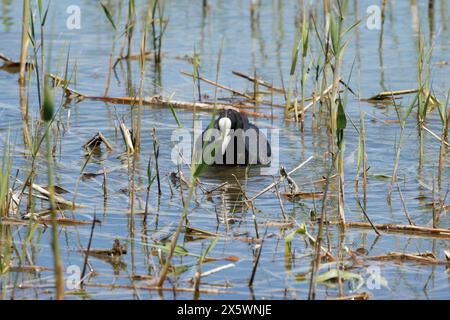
{"x": 315, "y": 263}
{"x": 45, "y": 222}
{"x": 281, "y": 180}
{"x": 155, "y": 288}
{"x": 405, "y": 229}
{"x": 96, "y": 140}
{"x": 127, "y": 137}
{"x": 408, "y": 217}
{"x": 255, "y": 264}
{"x": 423, "y": 258}
{"x": 316, "y": 99}
{"x": 248, "y": 202}
{"x": 218, "y": 85}
{"x": 160, "y": 101}
{"x": 58, "y": 200}
{"x": 388, "y": 94}
{"x": 283, "y": 211}
{"x": 359, "y": 296}
{"x": 435, "y": 136}
{"x": 368, "y": 219}
{"x": 216, "y": 270}
{"x": 259, "y": 82}
{"x": 303, "y": 195}
{"x": 25, "y": 41}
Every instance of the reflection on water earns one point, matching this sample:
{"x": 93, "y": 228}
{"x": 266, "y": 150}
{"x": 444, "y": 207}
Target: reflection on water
{"x": 255, "y": 41}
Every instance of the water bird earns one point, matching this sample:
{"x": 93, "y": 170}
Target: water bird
{"x": 234, "y": 141}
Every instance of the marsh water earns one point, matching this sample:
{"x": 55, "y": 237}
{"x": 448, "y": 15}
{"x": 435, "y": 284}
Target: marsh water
{"x": 264, "y": 47}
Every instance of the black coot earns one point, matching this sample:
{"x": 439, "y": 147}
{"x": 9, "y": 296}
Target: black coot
{"x": 233, "y": 140}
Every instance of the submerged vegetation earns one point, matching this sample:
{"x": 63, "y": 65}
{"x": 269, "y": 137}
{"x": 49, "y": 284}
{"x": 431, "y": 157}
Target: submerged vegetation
{"x": 343, "y": 178}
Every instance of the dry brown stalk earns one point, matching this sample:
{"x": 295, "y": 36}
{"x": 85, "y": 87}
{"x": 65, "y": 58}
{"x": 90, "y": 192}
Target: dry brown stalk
{"x": 315, "y": 100}
{"x": 154, "y": 288}
{"x": 303, "y": 195}
{"x": 388, "y": 94}
{"x": 281, "y": 180}
{"x": 435, "y": 136}
{"x": 218, "y": 85}
{"x": 60, "y": 221}
{"x": 160, "y": 101}
{"x": 96, "y": 140}
{"x": 359, "y": 296}
{"x": 400, "y": 228}
{"x": 127, "y": 137}
{"x": 425, "y": 258}
{"x": 259, "y": 81}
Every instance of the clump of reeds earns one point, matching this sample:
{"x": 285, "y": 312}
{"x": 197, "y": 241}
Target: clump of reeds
{"x": 337, "y": 123}
{"x": 301, "y": 46}
{"x": 333, "y": 44}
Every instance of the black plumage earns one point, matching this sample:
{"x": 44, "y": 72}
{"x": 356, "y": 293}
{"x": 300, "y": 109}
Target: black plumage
{"x": 242, "y": 142}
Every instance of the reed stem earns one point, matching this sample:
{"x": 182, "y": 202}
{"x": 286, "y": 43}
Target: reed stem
{"x": 25, "y": 41}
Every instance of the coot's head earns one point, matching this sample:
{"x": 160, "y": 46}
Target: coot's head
{"x": 236, "y": 119}
{"x": 228, "y": 121}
